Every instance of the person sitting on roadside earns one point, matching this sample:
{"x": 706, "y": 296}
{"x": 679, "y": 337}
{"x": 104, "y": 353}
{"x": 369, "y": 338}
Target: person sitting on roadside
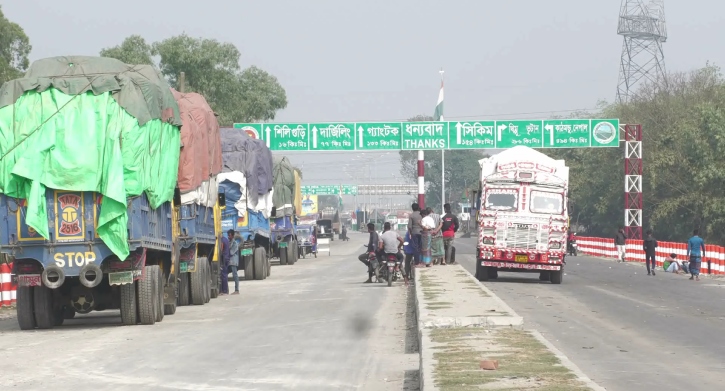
{"x": 675, "y": 265}
{"x": 372, "y": 249}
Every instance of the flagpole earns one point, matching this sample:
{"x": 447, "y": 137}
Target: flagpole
{"x": 443, "y": 161}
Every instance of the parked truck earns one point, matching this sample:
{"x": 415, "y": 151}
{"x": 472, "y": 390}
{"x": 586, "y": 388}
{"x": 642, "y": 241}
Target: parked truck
{"x": 247, "y": 185}
{"x": 287, "y": 200}
{"x": 523, "y": 215}
{"x": 90, "y": 205}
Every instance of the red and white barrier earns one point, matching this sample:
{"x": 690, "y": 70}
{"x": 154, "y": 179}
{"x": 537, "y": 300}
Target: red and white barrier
{"x": 7, "y": 287}
{"x": 603, "y": 247}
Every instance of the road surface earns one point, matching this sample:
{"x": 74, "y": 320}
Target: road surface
{"x": 311, "y": 326}
{"x": 626, "y": 330}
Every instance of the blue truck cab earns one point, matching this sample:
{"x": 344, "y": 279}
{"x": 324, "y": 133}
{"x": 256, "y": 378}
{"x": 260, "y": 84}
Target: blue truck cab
{"x": 284, "y": 239}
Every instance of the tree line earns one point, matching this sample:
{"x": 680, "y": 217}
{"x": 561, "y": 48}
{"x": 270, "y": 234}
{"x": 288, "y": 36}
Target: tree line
{"x": 211, "y": 68}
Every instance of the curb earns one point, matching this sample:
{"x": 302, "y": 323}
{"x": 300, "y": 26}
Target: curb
{"x": 567, "y": 363}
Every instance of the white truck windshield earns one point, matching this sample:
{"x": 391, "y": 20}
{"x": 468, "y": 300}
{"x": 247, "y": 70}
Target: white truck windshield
{"x": 544, "y": 202}
{"x": 502, "y": 199}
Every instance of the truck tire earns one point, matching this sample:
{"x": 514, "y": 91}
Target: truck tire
{"x": 197, "y": 282}
{"x": 260, "y": 268}
{"x": 43, "y": 307}
{"x": 129, "y": 315}
{"x": 146, "y": 297}
{"x": 160, "y": 310}
{"x": 283, "y": 256}
{"x": 267, "y": 263}
{"x": 59, "y": 317}
{"x": 68, "y": 312}
{"x": 208, "y": 280}
{"x": 544, "y": 276}
{"x": 492, "y": 273}
{"x": 248, "y": 267}
{"x": 170, "y": 309}
{"x": 481, "y": 271}
{"x": 292, "y": 253}
{"x": 557, "y": 276}
{"x": 24, "y": 308}
{"x": 183, "y": 298}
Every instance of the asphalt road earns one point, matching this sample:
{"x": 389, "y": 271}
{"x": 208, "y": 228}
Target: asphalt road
{"x": 311, "y": 326}
{"x": 626, "y": 330}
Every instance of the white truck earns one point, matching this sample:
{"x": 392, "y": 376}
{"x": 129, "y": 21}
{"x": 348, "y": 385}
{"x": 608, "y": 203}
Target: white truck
{"x": 464, "y": 218}
{"x": 523, "y": 217}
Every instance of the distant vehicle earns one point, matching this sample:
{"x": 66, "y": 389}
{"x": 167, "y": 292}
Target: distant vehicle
{"x": 324, "y": 229}
{"x": 523, "y": 216}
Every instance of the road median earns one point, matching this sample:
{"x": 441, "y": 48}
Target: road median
{"x": 463, "y": 326}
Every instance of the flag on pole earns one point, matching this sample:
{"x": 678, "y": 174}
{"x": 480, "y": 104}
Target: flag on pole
{"x": 438, "y": 115}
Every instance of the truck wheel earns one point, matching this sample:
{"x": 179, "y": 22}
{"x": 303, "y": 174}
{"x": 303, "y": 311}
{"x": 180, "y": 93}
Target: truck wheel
{"x": 68, "y": 312}
{"x": 248, "y": 267}
{"x": 59, "y": 318}
{"x": 283, "y": 256}
{"x": 160, "y": 310}
{"x": 481, "y": 272}
{"x": 557, "y": 276}
{"x": 146, "y": 297}
{"x": 170, "y": 309}
{"x": 24, "y": 308}
{"x": 260, "y": 268}
{"x": 208, "y": 279}
{"x": 267, "y": 263}
{"x": 183, "y": 298}
{"x": 492, "y": 273}
{"x": 291, "y": 255}
{"x": 43, "y": 307}
{"x": 129, "y": 316}
{"x": 544, "y": 276}
{"x": 197, "y": 282}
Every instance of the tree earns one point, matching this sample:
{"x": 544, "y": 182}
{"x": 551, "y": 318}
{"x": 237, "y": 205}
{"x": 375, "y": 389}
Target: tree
{"x": 212, "y": 69}
{"x": 462, "y": 171}
{"x": 14, "y": 50}
{"x": 133, "y": 50}
{"x": 683, "y": 125}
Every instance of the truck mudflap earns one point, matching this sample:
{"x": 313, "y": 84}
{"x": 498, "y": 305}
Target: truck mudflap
{"x": 523, "y": 266}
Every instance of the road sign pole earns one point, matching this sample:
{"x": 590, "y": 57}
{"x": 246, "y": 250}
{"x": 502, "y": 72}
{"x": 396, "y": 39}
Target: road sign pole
{"x": 421, "y": 180}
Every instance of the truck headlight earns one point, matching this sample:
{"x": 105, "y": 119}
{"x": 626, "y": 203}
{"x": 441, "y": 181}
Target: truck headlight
{"x": 555, "y": 245}
{"x": 488, "y": 241}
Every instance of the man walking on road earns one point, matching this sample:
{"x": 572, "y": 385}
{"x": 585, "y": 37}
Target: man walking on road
{"x": 226, "y": 257}
{"x": 415, "y": 228}
{"x": 234, "y": 259}
{"x": 450, "y": 227}
{"x": 695, "y": 252}
{"x": 650, "y": 250}
{"x": 620, "y": 240}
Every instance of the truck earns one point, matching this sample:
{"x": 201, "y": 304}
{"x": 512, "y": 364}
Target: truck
{"x": 464, "y": 217}
{"x": 90, "y": 206}
{"x": 287, "y": 200}
{"x": 246, "y": 182}
{"x": 523, "y": 216}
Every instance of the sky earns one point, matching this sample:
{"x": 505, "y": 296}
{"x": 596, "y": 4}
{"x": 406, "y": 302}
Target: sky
{"x": 355, "y": 60}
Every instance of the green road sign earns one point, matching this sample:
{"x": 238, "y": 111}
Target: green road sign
{"x": 379, "y": 135}
{"x": 329, "y": 189}
{"x": 425, "y": 135}
{"x": 332, "y": 137}
{"x": 411, "y": 136}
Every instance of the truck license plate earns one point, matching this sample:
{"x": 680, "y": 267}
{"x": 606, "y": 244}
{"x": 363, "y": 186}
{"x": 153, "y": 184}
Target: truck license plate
{"x": 120, "y": 278}
{"x": 246, "y": 251}
{"x": 29, "y": 280}
{"x": 282, "y": 244}
{"x": 522, "y": 258}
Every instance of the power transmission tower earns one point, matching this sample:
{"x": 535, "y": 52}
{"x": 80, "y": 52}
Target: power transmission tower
{"x": 642, "y": 24}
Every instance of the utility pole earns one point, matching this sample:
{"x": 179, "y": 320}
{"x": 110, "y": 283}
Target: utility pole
{"x": 182, "y": 82}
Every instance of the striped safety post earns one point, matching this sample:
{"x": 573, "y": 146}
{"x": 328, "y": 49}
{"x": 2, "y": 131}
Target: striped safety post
{"x": 5, "y": 282}
{"x": 13, "y": 287}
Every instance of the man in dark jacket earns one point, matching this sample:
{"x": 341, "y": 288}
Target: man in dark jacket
{"x": 449, "y": 228}
{"x": 372, "y": 248}
{"x": 620, "y": 240}
{"x": 650, "y": 249}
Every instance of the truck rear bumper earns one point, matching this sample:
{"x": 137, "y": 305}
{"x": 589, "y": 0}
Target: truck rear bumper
{"x": 519, "y": 266}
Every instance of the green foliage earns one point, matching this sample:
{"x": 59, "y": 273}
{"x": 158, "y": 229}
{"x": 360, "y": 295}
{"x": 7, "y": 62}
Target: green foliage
{"x": 462, "y": 172}
{"x": 212, "y": 69}
{"x": 683, "y": 127}
{"x": 133, "y": 50}
{"x": 14, "y": 50}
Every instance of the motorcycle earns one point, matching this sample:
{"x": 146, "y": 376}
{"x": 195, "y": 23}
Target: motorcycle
{"x": 573, "y": 248}
{"x": 391, "y": 268}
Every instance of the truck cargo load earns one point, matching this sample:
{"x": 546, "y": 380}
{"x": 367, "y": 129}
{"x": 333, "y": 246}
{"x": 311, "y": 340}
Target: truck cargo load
{"x": 247, "y": 185}
{"x": 284, "y": 187}
{"x": 523, "y": 216}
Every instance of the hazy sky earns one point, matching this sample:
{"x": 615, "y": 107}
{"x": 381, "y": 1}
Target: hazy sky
{"x": 378, "y": 60}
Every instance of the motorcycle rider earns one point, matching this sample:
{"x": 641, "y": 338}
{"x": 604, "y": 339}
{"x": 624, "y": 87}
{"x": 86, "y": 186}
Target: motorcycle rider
{"x": 569, "y": 241}
{"x": 373, "y": 247}
{"x": 391, "y": 243}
